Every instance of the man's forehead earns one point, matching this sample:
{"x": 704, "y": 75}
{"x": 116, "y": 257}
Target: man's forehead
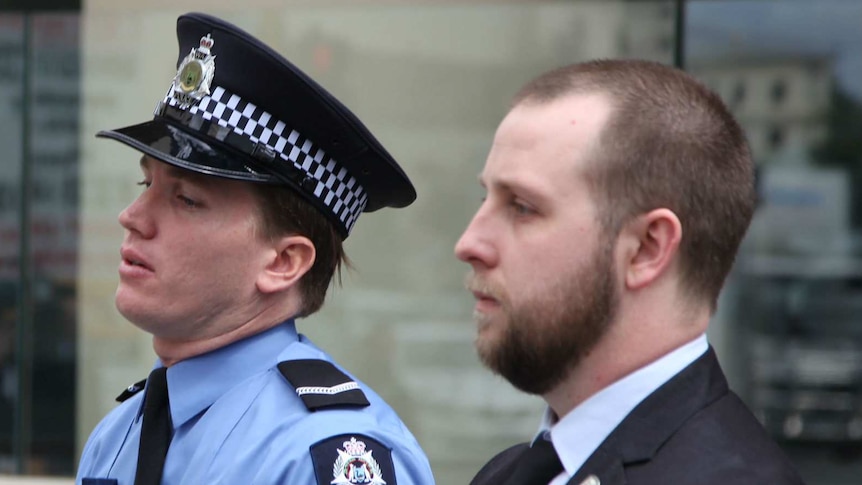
{"x": 542, "y": 147}
{"x": 570, "y": 124}
{"x": 570, "y": 110}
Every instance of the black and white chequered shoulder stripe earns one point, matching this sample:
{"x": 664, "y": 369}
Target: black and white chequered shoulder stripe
{"x": 334, "y": 186}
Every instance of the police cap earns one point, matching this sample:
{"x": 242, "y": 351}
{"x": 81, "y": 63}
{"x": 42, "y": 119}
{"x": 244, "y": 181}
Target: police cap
{"x": 237, "y": 109}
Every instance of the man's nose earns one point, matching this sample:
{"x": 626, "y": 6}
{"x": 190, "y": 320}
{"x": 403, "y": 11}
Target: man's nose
{"x": 477, "y": 245}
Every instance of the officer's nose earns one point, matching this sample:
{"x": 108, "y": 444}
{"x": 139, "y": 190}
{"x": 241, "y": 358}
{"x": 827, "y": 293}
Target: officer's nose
{"x": 137, "y": 218}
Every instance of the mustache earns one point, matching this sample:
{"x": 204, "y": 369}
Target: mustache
{"x": 474, "y": 283}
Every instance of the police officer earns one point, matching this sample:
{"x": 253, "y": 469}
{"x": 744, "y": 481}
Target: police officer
{"x": 252, "y": 176}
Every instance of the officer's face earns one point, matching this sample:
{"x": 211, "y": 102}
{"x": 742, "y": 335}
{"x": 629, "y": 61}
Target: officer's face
{"x": 543, "y": 273}
{"x": 190, "y": 255}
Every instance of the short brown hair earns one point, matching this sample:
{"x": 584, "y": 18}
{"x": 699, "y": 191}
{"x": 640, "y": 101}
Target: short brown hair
{"x": 670, "y": 142}
{"x": 283, "y": 212}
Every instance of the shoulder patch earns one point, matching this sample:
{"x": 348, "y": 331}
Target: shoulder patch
{"x": 352, "y": 458}
{"x": 321, "y": 385}
{"x": 131, "y": 390}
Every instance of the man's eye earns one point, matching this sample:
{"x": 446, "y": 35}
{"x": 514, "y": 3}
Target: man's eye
{"x": 522, "y": 209}
{"x": 145, "y": 183}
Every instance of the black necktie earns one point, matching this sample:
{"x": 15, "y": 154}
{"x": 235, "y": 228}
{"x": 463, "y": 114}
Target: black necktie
{"x": 156, "y": 430}
{"x": 536, "y": 466}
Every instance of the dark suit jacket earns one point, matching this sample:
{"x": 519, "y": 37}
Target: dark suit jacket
{"x": 691, "y": 431}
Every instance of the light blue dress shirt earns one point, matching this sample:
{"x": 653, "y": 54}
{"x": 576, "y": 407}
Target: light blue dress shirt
{"x": 238, "y": 421}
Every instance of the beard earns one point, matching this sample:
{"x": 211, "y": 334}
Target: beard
{"x": 542, "y": 338}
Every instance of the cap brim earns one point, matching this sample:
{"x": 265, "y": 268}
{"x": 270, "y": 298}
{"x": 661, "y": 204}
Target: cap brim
{"x": 171, "y": 144}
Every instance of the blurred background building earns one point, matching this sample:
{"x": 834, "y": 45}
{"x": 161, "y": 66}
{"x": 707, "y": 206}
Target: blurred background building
{"x": 432, "y": 78}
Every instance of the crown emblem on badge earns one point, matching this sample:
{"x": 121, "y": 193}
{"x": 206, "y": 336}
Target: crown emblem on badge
{"x": 193, "y": 78}
{"x": 356, "y": 465}
{"x": 206, "y": 44}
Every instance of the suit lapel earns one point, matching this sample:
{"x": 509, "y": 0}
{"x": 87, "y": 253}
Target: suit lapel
{"x": 500, "y": 467}
{"x": 637, "y": 438}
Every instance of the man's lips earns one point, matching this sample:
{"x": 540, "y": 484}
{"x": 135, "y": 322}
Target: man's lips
{"x": 482, "y": 296}
{"x": 486, "y": 304}
{"x": 486, "y": 298}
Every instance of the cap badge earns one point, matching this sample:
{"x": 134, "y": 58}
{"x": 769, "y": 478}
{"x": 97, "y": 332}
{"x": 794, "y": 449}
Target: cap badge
{"x": 194, "y": 75}
{"x": 356, "y": 465}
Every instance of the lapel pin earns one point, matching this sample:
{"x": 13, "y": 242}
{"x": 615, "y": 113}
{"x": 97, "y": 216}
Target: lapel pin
{"x": 591, "y": 480}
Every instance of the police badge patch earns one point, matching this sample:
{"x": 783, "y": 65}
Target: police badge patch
{"x": 352, "y": 459}
{"x": 195, "y": 74}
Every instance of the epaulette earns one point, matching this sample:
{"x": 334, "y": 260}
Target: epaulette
{"x": 131, "y": 390}
{"x": 321, "y": 385}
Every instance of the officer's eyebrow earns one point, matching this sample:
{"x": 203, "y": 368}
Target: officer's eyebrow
{"x": 174, "y": 172}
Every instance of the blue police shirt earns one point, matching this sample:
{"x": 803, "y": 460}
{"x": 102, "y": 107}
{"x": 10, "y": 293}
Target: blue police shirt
{"x": 238, "y": 421}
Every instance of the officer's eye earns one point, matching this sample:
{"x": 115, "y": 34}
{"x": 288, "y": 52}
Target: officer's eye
{"x": 187, "y": 201}
{"x": 145, "y": 183}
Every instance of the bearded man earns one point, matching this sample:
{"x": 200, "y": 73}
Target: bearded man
{"x": 617, "y": 194}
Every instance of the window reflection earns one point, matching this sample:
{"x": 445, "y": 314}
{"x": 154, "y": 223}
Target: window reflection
{"x": 789, "y": 71}
{"x": 38, "y": 351}
{"x": 11, "y": 68}
{"x": 779, "y": 91}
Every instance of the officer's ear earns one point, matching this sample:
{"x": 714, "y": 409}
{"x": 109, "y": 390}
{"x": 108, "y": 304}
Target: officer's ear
{"x": 290, "y": 258}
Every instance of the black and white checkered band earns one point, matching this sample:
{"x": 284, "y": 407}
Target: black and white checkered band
{"x": 244, "y": 126}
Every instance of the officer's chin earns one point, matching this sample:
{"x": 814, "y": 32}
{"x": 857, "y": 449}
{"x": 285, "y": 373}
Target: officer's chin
{"x": 133, "y": 307}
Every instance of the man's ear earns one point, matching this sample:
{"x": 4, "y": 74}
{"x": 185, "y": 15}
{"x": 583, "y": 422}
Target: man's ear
{"x": 291, "y": 258}
{"x": 651, "y": 243}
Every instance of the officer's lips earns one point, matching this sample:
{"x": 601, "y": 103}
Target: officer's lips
{"x": 132, "y": 261}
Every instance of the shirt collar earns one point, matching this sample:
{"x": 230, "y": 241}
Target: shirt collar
{"x": 195, "y": 384}
{"x": 582, "y": 430}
